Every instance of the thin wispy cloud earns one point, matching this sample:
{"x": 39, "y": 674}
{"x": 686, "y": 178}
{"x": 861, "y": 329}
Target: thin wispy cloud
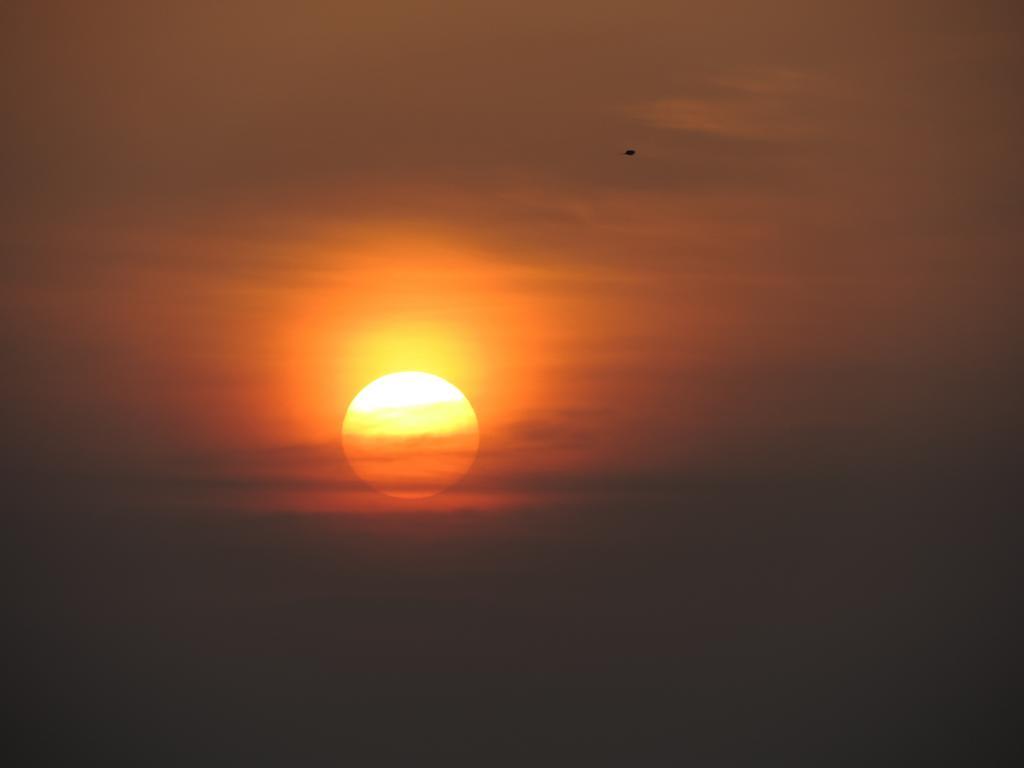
{"x": 771, "y": 105}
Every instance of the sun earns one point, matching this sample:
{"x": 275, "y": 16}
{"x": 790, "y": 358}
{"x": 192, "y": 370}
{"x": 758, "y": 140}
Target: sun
{"x": 410, "y": 434}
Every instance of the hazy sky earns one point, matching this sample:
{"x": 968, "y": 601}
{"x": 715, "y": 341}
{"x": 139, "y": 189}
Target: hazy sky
{"x": 216, "y": 218}
{"x": 219, "y": 221}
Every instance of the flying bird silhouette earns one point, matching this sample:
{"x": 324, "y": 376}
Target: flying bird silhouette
{"x": 630, "y": 152}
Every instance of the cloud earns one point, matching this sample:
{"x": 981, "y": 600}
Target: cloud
{"x": 770, "y": 105}
{"x": 563, "y": 429}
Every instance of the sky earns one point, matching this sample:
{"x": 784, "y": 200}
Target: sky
{"x": 748, "y": 400}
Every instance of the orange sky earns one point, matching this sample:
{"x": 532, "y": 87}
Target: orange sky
{"x": 223, "y": 221}
{"x": 749, "y": 408}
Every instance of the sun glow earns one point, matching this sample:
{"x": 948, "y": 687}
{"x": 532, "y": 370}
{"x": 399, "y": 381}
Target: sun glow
{"x": 410, "y": 434}
{"x": 412, "y": 304}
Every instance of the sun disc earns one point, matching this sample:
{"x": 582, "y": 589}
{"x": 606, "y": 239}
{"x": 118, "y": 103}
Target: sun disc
{"x": 410, "y": 434}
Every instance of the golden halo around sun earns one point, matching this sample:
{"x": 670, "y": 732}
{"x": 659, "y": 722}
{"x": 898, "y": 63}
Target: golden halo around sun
{"x": 410, "y": 434}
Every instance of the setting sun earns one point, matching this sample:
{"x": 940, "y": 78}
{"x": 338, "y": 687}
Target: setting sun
{"x": 410, "y": 434}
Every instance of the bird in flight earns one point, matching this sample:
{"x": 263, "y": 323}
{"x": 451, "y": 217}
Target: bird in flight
{"x": 630, "y": 152}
